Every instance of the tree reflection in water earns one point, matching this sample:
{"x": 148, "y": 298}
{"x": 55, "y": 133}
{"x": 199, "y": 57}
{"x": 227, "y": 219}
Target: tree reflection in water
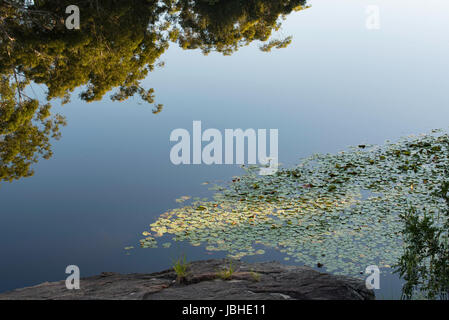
{"x": 118, "y": 45}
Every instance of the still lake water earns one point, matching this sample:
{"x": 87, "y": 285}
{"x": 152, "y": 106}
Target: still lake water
{"x": 337, "y": 84}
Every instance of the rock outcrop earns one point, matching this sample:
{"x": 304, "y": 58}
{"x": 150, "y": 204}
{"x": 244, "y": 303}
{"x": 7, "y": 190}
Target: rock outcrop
{"x": 253, "y": 281}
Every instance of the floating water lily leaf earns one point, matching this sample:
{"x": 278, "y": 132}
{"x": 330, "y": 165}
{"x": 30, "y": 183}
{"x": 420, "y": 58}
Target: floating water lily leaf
{"x": 341, "y": 210}
{"x": 182, "y": 199}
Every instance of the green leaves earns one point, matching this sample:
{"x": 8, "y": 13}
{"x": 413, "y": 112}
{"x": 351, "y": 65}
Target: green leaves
{"x": 424, "y": 263}
{"x": 26, "y": 128}
{"x": 312, "y": 219}
{"x": 119, "y": 44}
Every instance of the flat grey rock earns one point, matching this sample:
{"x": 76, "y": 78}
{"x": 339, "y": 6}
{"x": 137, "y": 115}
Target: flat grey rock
{"x": 250, "y": 281}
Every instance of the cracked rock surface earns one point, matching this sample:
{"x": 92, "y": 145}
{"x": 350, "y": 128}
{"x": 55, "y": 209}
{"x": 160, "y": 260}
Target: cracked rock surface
{"x": 255, "y": 281}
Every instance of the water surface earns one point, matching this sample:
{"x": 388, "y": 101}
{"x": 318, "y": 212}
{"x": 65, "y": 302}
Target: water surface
{"x": 337, "y": 84}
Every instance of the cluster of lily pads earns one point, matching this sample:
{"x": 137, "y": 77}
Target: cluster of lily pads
{"x": 340, "y": 211}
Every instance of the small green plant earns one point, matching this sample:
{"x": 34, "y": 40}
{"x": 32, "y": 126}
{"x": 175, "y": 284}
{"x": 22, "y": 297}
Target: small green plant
{"x": 227, "y": 272}
{"x": 180, "y": 266}
{"x": 256, "y": 276}
{"x": 424, "y": 264}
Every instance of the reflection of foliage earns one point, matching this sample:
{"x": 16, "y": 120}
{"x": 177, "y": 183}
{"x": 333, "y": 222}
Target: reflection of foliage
{"x": 119, "y": 42}
{"x": 36, "y": 46}
{"x": 117, "y": 46}
{"x": 425, "y": 263}
{"x": 342, "y": 211}
{"x": 226, "y": 25}
{"x": 98, "y": 56}
{"x": 25, "y": 130}
{"x": 278, "y": 44}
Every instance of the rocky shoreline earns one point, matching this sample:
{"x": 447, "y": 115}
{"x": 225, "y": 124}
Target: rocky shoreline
{"x": 249, "y": 281}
